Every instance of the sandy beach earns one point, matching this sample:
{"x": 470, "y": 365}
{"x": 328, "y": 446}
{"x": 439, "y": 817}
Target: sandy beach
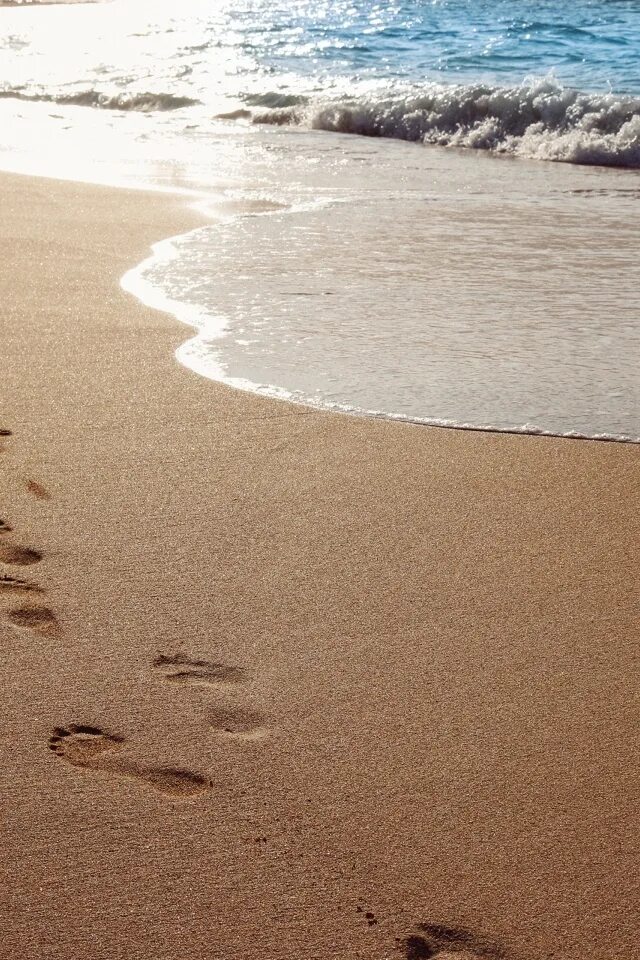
{"x": 285, "y": 685}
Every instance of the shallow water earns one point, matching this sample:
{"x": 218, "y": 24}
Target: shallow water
{"x": 499, "y": 297}
{"x": 433, "y": 281}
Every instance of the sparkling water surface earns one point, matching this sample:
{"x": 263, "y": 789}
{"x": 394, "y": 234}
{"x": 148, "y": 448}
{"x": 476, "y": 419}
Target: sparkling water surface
{"x": 202, "y": 48}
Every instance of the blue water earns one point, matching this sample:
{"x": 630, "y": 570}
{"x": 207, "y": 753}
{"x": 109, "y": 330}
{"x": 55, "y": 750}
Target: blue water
{"x": 543, "y": 80}
{"x": 593, "y": 45}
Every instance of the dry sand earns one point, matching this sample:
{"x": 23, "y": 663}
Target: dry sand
{"x": 311, "y": 681}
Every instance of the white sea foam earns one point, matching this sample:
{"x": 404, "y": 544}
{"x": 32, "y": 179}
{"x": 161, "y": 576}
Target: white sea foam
{"x": 538, "y": 119}
{"x": 142, "y": 102}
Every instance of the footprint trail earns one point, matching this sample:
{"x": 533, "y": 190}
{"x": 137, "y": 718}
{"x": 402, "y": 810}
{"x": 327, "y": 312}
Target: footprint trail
{"x": 93, "y": 749}
{"x": 41, "y": 619}
{"x": 237, "y": 724}
{"x": 11, "y": 584}
{"x": 37, "y": 490}
{"x": 182, "y": 669}
{"x": 451, "y": 943}
{"x": 19, "y": 556}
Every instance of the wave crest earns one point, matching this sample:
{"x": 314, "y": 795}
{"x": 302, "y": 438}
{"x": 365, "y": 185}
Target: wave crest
{"x": 537, "y": 119}
{"x": 142, "y": 102}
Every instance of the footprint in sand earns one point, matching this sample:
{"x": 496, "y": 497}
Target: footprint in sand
{"x": 232, "y": 723}
{"x": 41, "y": 619}
{"x": 182, "y": 669}
{"x": 93, "y": 749}
{"x": 37, "y": 490}
{"x": 237, "y": 724}
{"x": 450, "y": 943}
{"x": 11, "y": 584}
{"x": 20, "y": 556}
{"x": 4, "y": 527}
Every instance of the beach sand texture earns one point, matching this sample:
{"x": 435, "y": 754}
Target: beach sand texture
{"x": 285, "y": 685}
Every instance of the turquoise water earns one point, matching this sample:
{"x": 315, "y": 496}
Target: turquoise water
{"x": 592, "y": 45}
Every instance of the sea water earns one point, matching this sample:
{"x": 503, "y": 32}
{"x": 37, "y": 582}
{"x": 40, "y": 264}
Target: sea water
{"x": 419, "y": 210}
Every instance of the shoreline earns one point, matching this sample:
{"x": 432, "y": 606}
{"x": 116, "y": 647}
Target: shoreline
{"x": 315, "y": 685}
{"x": 589, "y": 397}
{"x": 187, "y": 315}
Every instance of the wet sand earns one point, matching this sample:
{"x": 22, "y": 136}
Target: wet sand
{"x": 286, "y": 685}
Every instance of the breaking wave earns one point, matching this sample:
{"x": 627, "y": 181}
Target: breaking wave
{"x": 142, "y": 102}
{"x": 538, "y": 119}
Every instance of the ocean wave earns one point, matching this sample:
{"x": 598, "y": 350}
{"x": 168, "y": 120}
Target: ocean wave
{"x": 539, "y": 119}
{"x": 142, "y": 102}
